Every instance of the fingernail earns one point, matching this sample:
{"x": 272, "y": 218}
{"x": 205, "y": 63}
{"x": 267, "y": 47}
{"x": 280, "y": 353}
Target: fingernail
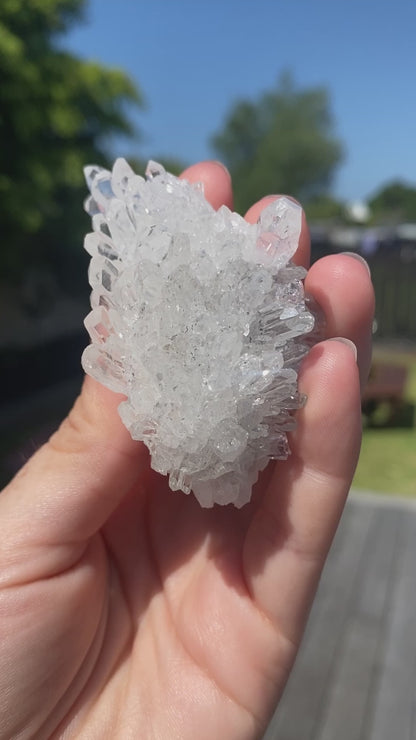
{"x": 220, "y": 164}
{"x": 348, "y": 343}
{"x": 358, "y": 257}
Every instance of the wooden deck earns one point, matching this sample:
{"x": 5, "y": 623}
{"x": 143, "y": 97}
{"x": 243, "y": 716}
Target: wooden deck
{"x": 355, "y": 676}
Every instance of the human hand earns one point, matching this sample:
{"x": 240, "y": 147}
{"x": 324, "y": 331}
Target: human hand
{"x": 128, "y": 611}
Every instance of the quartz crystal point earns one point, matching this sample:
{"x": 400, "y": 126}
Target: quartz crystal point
{"x": 200, "y": 319}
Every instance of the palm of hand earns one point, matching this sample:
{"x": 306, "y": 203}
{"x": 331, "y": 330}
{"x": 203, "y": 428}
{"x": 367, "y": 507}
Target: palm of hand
{"x": 165, "y": 622}
{"x": 128, "y": 611}
{"x": 158, "y": 608}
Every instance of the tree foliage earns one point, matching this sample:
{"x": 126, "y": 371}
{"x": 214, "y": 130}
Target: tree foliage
{"x": 281, "y": 143}
{"x": 325, "y": 208}
{"x": 56, "y": 114}
{"x": 394, "y": 202}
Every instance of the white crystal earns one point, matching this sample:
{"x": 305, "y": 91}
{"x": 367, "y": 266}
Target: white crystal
{"x": 199, "y": 318}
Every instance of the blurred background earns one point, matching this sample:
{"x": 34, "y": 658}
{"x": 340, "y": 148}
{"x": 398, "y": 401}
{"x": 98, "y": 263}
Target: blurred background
{"x": 314, "y": 99}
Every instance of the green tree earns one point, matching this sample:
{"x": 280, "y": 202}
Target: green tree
{"x": 325, "y": 208}
{"x": 57, "y": 113}
{"x": 394, "y": 202}
{"x": 281, "y": 143}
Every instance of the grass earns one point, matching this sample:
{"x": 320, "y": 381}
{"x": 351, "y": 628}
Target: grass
{"x": 388, "y": 457}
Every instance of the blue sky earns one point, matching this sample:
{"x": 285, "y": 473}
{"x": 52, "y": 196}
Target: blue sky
{"x": 193, "y": 59}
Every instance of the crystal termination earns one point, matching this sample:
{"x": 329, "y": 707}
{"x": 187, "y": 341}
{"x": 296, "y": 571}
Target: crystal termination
{"x": 200, "y": 319}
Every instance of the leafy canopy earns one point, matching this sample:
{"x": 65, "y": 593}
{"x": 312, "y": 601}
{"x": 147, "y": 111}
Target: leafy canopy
{"x": 56, "y": 114}
{"x": 394, "y": 202}
{"x": 282, "y": 143}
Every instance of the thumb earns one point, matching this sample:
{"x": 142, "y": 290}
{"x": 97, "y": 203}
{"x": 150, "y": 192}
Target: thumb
{"x": 72, "y": 484}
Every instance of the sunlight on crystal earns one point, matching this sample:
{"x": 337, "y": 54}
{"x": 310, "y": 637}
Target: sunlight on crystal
{"x": 199, "y": 318}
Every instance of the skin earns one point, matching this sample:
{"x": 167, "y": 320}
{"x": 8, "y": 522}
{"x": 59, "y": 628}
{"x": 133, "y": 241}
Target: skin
{"x": 126, "y": 610}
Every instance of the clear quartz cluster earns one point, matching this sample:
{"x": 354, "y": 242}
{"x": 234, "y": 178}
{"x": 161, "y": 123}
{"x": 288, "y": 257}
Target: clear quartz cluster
{"x": 200, "y": 319}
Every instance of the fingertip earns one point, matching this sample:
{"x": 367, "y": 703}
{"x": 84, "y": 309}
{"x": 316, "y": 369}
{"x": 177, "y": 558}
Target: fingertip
{"x": 329, "y": 426}
{"x": 347, "y": 343}
{"x": 341, "y": 266}
{"x": 254, "y": 212}
{"x": 329, "y": 377}
{"x": 342, "y": 287}
{"x": 359, "y": 258}
{"x": 216, "y": 180}
{"x": 328, "y": 367}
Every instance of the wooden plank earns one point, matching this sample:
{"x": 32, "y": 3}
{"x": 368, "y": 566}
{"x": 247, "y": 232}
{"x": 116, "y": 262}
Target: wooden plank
{"x": 393, "y": 712}
{"x": 350, "y": 690}
{"x": 301, "y": 707}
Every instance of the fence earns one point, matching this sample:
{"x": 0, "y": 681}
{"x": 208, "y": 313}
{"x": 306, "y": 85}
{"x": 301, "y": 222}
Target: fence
{"x": 394, "y": 277}
{"x": 395, "y": 288}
